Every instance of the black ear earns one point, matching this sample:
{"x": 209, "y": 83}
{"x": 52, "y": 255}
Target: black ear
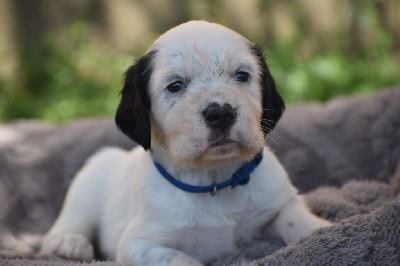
{"x": 132, "y": 116}
{"x": 272, "y": 103}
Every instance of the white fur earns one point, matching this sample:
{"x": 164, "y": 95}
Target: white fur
{"x": 136, "y": 215}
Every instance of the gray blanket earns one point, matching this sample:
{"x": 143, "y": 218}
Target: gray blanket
{"x": 344, "y": 156}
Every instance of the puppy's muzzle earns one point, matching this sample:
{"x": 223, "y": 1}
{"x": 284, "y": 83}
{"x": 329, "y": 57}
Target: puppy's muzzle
{"x": 219, "y": 117}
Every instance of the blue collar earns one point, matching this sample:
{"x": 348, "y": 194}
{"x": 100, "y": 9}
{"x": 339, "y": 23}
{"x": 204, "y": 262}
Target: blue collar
{"x": 240, "y": 177}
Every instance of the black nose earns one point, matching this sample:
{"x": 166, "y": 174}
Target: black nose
{"x": 218, "y": 116}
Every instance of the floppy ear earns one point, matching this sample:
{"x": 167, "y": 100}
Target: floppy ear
{"x": 132, "y": 116}
{"x": 272, "y": 103}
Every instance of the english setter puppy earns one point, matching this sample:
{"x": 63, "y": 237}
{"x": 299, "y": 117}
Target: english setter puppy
{"x": 200, "y": 103}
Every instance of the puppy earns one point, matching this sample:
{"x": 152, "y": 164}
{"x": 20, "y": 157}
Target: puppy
{"x": 200, "y": 103}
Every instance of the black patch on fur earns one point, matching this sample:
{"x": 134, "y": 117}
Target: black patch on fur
{"x": 132, "y": 116}
{"x": 272, "y": 103}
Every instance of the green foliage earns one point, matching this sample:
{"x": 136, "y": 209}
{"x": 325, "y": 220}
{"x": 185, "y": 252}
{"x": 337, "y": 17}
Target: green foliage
{"x": 324, "y": 76}
{"x": 76, "y": 76}
{"x": 61, "y": 80}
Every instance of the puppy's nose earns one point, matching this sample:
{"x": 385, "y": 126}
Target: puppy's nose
{"x": 218, "y": 116}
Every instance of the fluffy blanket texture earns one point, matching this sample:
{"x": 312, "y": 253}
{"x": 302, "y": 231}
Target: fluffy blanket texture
{"x": 344, "y": 156}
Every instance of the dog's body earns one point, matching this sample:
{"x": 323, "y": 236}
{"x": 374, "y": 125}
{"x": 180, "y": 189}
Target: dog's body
{"x": 200, "y": 100}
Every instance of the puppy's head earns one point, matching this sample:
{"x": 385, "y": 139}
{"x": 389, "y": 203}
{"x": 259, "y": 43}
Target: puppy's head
{"x": 203, "y": 94}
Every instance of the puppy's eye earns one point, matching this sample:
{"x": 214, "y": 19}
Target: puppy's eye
{"x": 242, "y": 76}
{"x": 176, "y": 86}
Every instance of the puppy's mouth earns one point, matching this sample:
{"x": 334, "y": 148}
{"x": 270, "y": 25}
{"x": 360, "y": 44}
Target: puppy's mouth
{"x": 222, "y": 145}
{"x": 225, "y": 148}
{"x": 221, "y": 142}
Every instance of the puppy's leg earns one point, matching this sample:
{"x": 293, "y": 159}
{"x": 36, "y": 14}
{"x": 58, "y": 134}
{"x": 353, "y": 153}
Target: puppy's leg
{"x": 295, "y": 221}
{"x": 144, "y": 252}
{"x": 70, "y": 235}
{"x": 70, "y": 246}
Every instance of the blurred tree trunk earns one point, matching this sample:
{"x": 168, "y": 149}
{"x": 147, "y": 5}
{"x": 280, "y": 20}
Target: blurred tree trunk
{"x": 389, "y": 17}
{"x": 34, "y": 19}
{"x": 354, "y": 43}
{"x": 267, "y": 37}
{"x": 167, "y": 14}
{"x": 8, "y": 52}
{"x": 37, "y": 17}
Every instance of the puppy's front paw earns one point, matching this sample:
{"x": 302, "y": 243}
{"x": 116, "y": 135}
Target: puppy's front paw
{"x": 72, "y": 246}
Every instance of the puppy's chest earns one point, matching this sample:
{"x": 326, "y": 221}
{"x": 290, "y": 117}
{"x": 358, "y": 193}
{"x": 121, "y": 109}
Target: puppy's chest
{"x": 212, "y": 234}
{"x": 204, "y": 242}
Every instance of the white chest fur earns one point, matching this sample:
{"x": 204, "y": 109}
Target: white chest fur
{"x": 207, "y": 241}
{"x": 201, "y": 225}
{"x": 140, "y": 217}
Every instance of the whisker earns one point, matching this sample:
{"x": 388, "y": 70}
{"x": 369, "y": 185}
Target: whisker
{"x": 272, "y": 139}
{"x": 267, "y": 109}
{"x": 272, "y": 135}
{"x": 269, "y": 121}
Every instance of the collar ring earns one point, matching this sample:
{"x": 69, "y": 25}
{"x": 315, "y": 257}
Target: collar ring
{"x": 214, "y": 191}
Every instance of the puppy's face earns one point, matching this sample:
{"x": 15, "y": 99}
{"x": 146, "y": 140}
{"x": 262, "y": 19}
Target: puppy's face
{"x": 202, "y": 94}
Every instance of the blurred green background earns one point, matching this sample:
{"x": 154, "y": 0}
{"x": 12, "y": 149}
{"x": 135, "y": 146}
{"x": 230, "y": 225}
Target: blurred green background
{"x": 61, "y": 60}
